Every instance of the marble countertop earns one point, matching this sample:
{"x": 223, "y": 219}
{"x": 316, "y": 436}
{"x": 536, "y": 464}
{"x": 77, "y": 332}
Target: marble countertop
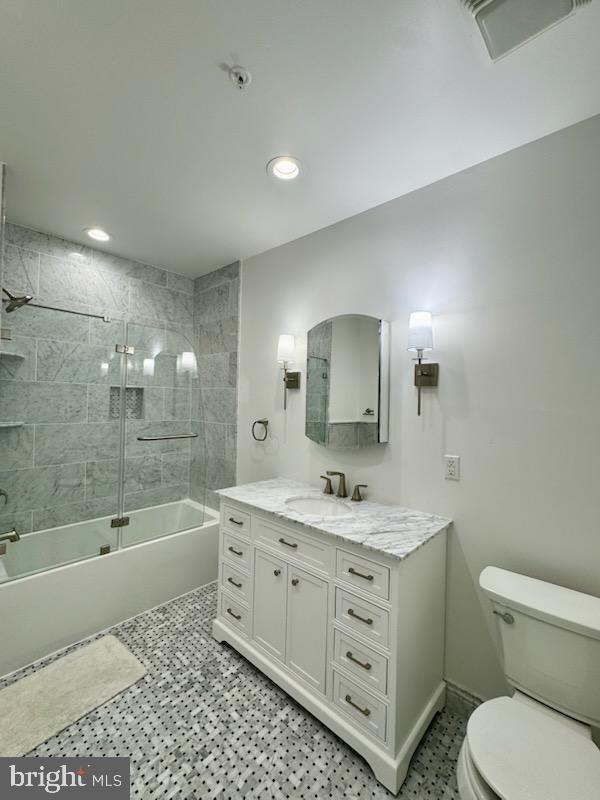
{"x": 392, "y": 530}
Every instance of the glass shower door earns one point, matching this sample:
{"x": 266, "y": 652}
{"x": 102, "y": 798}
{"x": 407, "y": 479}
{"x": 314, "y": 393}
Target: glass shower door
{"x": 163, "y": 440}
{"x": 59, "y": 438}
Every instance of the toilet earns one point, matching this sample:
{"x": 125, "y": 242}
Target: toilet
{"x": 537, "y": 744}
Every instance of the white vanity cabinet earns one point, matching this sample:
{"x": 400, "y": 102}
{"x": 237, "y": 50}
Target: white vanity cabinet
{"x": 355, "y": 636}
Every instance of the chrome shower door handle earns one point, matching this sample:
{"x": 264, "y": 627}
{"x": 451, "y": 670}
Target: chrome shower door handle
{"x": 164, "y": 438}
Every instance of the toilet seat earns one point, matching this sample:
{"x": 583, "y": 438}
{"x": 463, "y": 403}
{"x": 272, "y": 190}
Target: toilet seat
{"x": 523, "y": 750}
{"x": 471, "y": 785}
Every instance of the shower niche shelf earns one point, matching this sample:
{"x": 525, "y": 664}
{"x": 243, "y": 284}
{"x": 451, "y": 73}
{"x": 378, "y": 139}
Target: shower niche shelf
{"x": 134, "y": 402}
{"x": 7, "y": 354}
{"x": 5, "y": 425}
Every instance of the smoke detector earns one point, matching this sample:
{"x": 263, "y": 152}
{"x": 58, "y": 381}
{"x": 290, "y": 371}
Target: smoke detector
{"x": 508, "y": 24}
{"x": 240, "y": 77}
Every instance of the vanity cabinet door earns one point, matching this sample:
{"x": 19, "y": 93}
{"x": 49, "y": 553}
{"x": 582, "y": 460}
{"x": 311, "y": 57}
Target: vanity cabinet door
{"x": 306, "y": 652}
{"x": 270, "y": 603}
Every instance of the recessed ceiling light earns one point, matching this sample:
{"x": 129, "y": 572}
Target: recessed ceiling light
{"x": 286, "y": 168}
{"x": 98, "y": 234}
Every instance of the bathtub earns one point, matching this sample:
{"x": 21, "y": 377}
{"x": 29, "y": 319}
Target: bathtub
{"x": 56, "y": 588}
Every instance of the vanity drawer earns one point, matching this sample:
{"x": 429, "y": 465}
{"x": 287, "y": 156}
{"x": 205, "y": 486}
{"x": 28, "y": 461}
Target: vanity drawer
{"x": 365, "y": 664}
{"x": 235, "y": 549}
{"x": 363, "y": 617}
{"x": 293, "y": 545}
{"x": 366, "y": 710}
{"x": 235, "y": 614}
{"x": 363, "y": 573}
{"x": 236, "y": 582}
{"x": 234, "y": 520}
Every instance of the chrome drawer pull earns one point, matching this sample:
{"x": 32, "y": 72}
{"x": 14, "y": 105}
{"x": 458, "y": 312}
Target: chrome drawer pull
{"x": 235, "y": 616}
{"x": 352, "y": 571}
{"x": 235, "y": 552}
{"x": 277, "y": 572}
{"x": 288, "y": 544}
{"x": 233, "y": 583}
{"x": 295, "y": 581}
{"x": 364, "y": 711}
{"x": 364, "y": 665}
{"x": 352, "y": 613}
{"x": 236, "y": 521}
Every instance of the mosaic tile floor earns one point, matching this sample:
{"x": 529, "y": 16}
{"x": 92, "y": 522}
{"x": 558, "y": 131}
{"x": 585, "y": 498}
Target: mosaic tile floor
{"x": 204, "y": 723}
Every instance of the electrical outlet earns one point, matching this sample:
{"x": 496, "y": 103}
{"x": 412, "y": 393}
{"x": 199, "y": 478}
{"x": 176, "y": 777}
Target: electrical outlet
{"x": 452, "y": 468}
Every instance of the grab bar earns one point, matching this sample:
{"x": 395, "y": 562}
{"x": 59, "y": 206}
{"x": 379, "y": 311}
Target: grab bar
{"x": 172, "y": 436}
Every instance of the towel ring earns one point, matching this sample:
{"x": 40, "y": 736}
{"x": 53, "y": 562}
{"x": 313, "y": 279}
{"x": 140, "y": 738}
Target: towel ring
{"x": 265, "y": 424}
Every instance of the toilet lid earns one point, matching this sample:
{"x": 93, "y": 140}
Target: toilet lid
{"x": 527, "y": 754}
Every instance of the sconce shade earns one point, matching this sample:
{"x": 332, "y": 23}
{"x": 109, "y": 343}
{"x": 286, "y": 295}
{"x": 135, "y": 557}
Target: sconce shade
{"x": 188, "y": 361}
{"x": 148, "y": 367}
{"x": 420, "y": 333}
{"x": 286, "y": 348}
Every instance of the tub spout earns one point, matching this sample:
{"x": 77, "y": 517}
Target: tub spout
{"x": 9, "y": 536}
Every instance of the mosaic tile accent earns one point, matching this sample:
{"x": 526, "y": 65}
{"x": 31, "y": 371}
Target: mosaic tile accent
{"x": 204, "y": 723}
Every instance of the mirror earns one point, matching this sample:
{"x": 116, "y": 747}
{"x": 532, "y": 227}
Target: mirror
{"x": 347, "y": 382}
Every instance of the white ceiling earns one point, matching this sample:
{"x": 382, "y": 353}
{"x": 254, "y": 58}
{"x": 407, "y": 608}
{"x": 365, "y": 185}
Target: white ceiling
{"x": 119, "y": 113}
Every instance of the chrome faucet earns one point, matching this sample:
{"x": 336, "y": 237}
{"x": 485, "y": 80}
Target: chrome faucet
{"x": 9, "y": 536}
{"x": 341, "y": 492}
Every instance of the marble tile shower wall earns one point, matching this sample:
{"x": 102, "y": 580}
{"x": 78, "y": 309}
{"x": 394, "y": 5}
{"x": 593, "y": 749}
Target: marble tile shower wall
{"x": 60, "y": 465}
{"x": 216, "y": 329}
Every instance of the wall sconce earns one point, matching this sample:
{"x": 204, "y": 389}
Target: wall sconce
{"x": 420, "y": 340}
{"x": 186, "y": 362}
{"x": 285, "y": 356}
{"x": 148, "y": 367}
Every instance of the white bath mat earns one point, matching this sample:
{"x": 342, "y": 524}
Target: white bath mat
{"x": 47, "y": 701}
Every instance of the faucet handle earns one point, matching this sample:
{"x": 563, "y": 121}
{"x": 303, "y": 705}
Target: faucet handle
{"x": 356, "y": 495}
{"x": 4, "y": 495}
{"x": 328, "y": 488}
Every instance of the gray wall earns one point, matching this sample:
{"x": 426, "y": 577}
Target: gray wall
{"x": 61, "y": 465}
{"x": 506, "y": 256}
{"x": 216, "y": 332}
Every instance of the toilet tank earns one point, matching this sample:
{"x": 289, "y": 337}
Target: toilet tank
{"x": 550, "y": 641}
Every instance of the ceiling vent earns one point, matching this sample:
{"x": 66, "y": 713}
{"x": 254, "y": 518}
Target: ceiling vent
{"x": 507, "y": 24}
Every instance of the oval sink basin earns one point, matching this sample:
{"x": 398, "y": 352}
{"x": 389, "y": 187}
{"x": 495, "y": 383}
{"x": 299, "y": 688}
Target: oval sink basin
{"x": 318, "y": 506}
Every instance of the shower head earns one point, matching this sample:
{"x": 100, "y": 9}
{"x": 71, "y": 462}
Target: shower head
{"x": 15, "y": 302}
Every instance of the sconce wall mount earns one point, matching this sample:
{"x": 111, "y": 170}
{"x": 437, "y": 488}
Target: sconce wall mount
{"x": 285, "y": 357}
{"x": 291, "y": 379}
{"x": 425, "y": 375}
